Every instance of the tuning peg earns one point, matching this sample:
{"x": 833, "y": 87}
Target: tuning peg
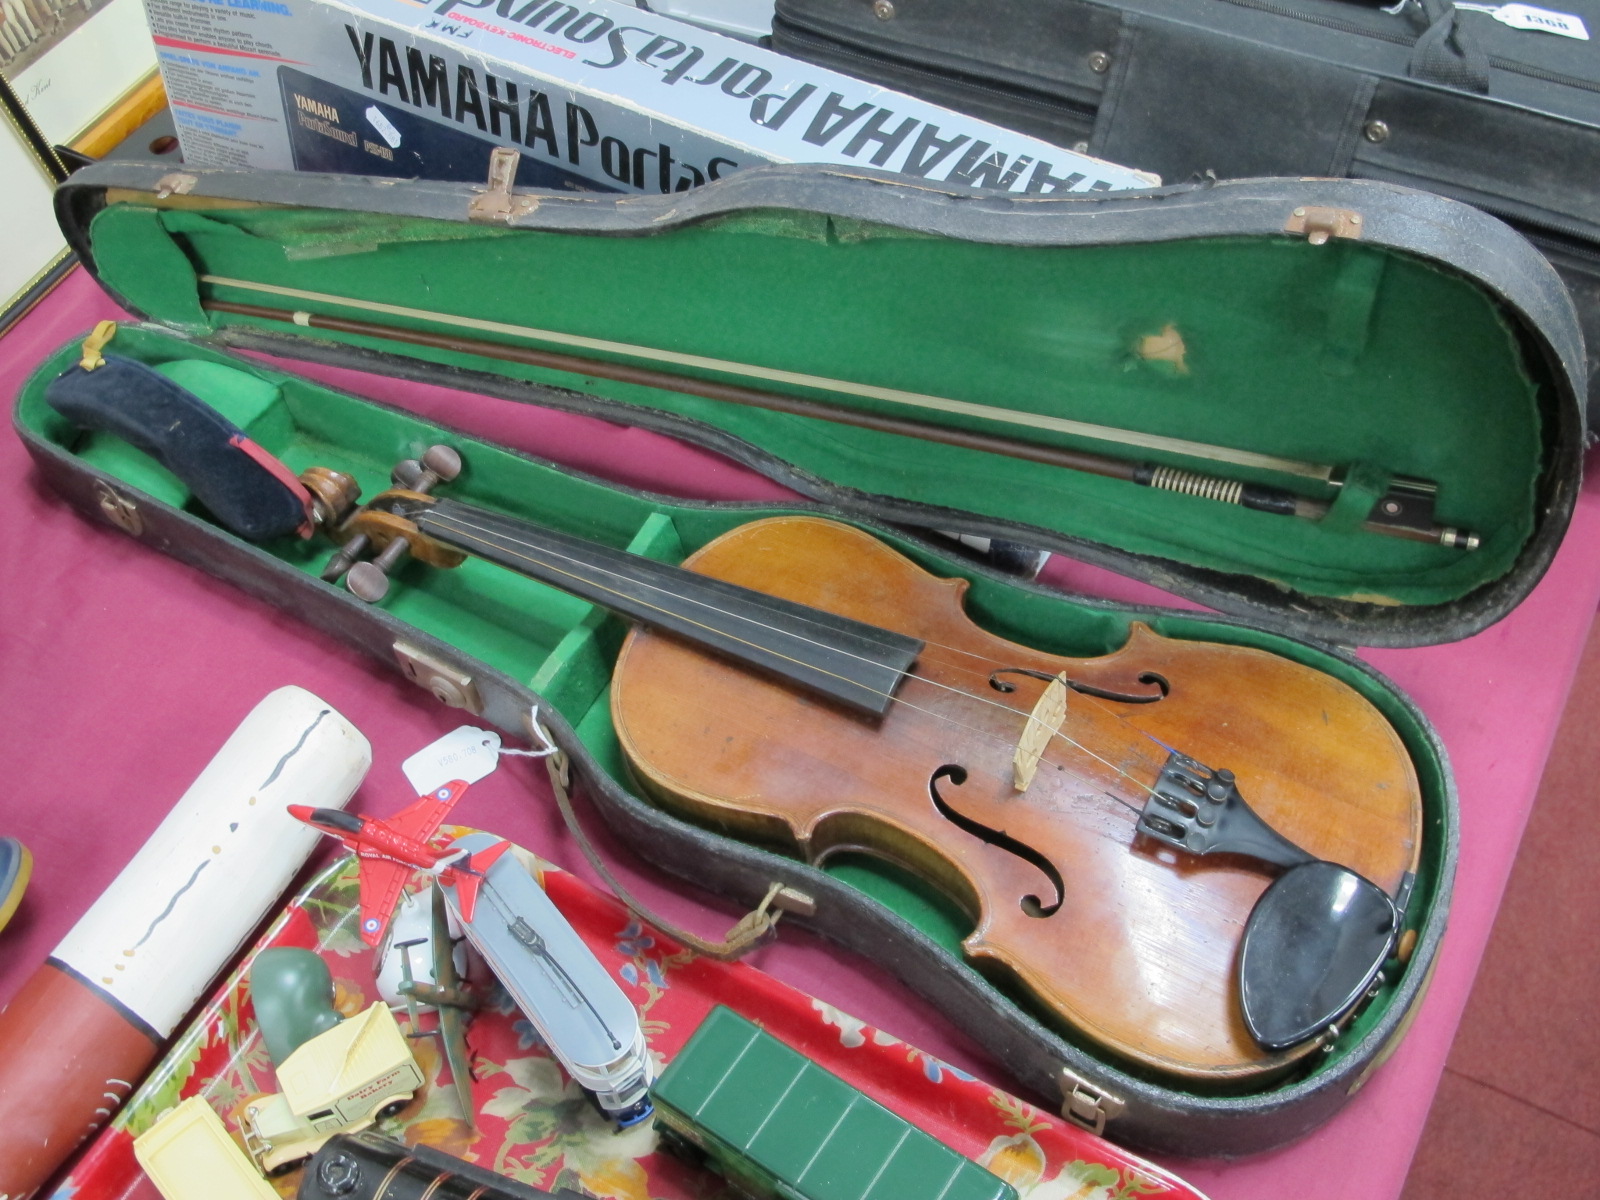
{"x": 440, "y": 464}
{"x": 369, "y": 581}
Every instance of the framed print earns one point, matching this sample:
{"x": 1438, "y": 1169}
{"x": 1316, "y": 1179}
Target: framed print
{"x": 33, "y": 253}
{"x": 70, "y": 61}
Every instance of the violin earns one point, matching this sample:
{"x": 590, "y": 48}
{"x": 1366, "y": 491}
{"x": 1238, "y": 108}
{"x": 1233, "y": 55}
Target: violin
{"x": 1194, "y": 857}
{"x": 799, "y": 684}
{"x": 1127, "y": 941}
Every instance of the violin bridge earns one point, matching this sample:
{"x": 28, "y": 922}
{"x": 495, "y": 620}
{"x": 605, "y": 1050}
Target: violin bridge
{"x": 1044, "y": 722}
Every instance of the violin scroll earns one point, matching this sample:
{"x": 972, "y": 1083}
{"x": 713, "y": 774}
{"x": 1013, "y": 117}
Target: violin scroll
{"x": 333, "y": 496}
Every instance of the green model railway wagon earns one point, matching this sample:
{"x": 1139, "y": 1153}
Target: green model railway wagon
{"x": 777, "y": 1125}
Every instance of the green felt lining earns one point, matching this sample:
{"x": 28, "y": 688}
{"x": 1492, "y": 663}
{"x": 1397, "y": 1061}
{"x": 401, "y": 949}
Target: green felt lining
{"x": 1347, "y": 353}
{"x": 563, "y": 648}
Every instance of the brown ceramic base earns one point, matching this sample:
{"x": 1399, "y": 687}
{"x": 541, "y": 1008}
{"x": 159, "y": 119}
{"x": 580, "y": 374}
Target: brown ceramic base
{"x": 69, "y": 1056}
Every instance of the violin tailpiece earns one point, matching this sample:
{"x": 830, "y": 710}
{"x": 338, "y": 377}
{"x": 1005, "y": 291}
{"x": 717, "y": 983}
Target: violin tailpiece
{"x": 1199, "y": 810}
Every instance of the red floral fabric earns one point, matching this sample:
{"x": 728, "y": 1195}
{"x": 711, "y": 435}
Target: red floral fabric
{"x": 534, "y": 1124}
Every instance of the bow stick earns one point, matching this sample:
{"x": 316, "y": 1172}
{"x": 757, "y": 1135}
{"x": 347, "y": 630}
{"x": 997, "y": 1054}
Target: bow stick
{"x": 1404, "y": 511}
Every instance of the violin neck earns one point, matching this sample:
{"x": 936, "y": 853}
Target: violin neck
{"x": 855, "y": 664}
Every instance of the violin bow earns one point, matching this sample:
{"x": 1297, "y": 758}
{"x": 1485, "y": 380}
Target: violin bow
{"x": 1405, "y": 510}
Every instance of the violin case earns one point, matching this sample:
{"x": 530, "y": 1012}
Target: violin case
{"x": 1359, "y": 322}
{"x": 1421, "y": 93}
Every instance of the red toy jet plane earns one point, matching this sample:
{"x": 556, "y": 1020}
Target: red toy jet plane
{"x": 391, "y": 850}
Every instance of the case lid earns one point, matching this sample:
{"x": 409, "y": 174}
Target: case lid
{"x": 1360, "y": 354}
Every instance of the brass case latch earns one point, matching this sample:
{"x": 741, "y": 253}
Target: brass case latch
{"x": 118, "y": 509}
{"x": 449, "y": 685}
{"x": 1086, "y": 1105}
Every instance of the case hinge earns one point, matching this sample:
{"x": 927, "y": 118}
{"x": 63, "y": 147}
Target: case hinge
{"x": 449, "y": 685}
{"x": 175, "y": 184}
{"x": 1086, "y": 1105}
{"x": 1317, "y": 225}
{"x": 497, "y": 202}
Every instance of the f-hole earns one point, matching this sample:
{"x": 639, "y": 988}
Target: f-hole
{"x": 1031, "y": 905}
{"x": 1158, "y": 682}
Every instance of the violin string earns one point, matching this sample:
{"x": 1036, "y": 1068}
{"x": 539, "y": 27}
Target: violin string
{"x": 977, "y": 673}
{"x": 469, "y": 532}
{"x": 1100, "y": 702}
{"x": 465, "y": 529}
{"x": 973, "y": 672}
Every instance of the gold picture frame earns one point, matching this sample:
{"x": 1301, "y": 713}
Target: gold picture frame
{"x": 34, "y": 255}
{"x": 69, "y": 62}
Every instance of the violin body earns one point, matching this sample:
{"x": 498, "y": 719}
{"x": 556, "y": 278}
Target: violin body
{"x": 1127, "y": 944}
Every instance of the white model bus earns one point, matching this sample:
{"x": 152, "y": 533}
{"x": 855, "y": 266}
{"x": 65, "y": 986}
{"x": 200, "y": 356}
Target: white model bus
{"x": 591, "y": 1027}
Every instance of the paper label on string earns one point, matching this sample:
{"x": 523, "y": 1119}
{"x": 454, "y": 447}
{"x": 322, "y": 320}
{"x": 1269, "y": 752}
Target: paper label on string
{"x": 468, "y": 754}
{"x": 1540, "y": 20}
{"x": 1526, "y": 16}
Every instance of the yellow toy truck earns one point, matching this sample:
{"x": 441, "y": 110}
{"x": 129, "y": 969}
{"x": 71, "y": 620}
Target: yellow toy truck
{"x": 339, "y": 1081}
{"x": 189, "y": 1156}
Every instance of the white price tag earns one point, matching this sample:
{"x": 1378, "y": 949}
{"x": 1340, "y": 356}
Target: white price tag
{"x": 466, "y": 754}
{"x": 1528, "y": 16}
{"x": 387, "y": 131}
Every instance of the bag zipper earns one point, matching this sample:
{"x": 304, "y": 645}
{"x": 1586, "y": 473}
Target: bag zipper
{"x": 1515, "y": 66}
{"x": 1550, "y": 232}
{"x": 1031, "y": 97}
{"x": 1054, "y": 107}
